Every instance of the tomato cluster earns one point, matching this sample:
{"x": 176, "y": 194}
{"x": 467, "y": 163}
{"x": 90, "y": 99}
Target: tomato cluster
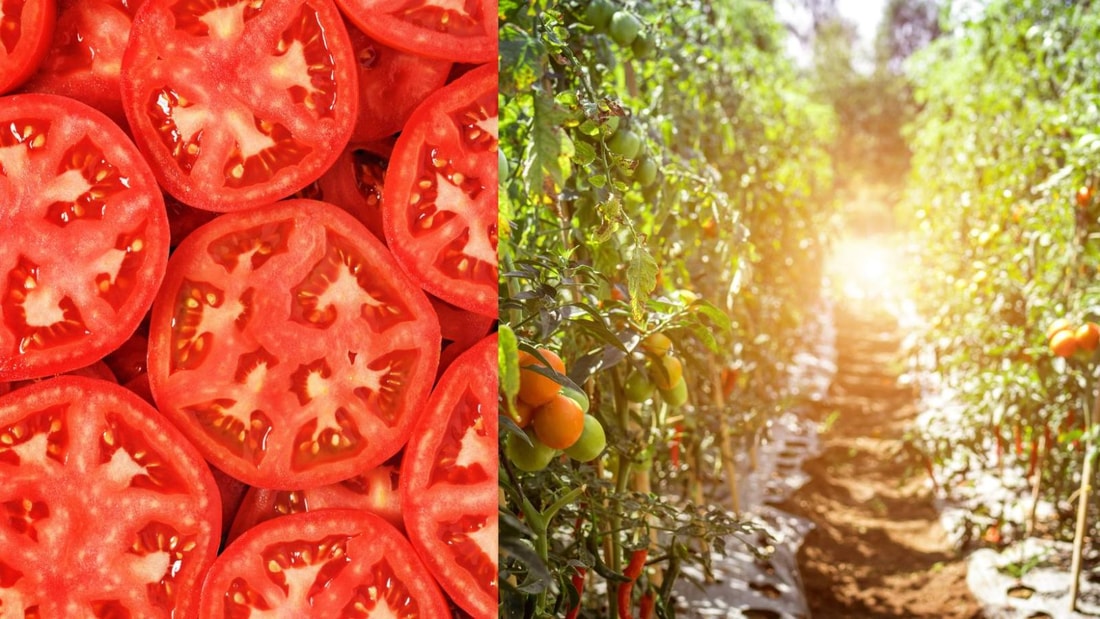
{"x": 261, "y": 237}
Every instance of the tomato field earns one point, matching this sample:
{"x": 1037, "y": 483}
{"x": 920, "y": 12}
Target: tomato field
{"x": 674, "y": 183}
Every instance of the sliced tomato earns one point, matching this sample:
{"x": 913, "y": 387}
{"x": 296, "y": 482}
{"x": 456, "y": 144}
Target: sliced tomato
{"x": 458, "y": 31}
{"x": 25, "y": 30}
{"x": 183, "y": 219}
{"x": 288, "y": 345}
{"x": 129, "y": 360}
{"x": 329, "y": 563}
{"x": 440, "y": 195}
{"x": 98, "y": 370}
{"x": 375, "y": 491}
{"x": 238, "y": 102}
{"x": 232, "y": 492}
{"x": 85, "y": 55}
{"x": 92, "y": 237}
{"x": 449, "y": 481}
{"x": 354, "y": 183}
{"x": 107, "y": 510}
{"x": 461, "y": 329}
{"x": 391, "y": 84}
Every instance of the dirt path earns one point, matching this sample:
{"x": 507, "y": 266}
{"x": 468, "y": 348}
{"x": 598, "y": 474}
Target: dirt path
{"x": 878, "y": 549}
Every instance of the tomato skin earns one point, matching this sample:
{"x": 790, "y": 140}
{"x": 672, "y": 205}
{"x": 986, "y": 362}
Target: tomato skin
{"x": 446, "y": 236}
{"x": 19, "y": 62}
{"x": 591, "y": 443}
{"x": 109, "y": 514}
{"x": 90, "y": 262}
{"x": 474, "y": 40}
{"x": 391, "y": 84}
{"x": 294, "y": 319}
{"x": 531, "y": 457}
{"x": 349, "y": 556}
{"x": 449, "y": 481}
{"x": 225, "y": 121}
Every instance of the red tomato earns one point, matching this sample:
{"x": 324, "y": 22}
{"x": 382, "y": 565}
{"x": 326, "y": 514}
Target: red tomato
{"x": 460, "y": 329}
{"x": 391, "y": 84}
{"x": 25, "y": 30}
{"x": 183, "y": 219}
{"x": 440, "y": 207}
{"x": 98, "y": 370}
{"x": 84, "y": 57}
{"x": 374, "y": 491}
{"x": 288, "y": 345}
{"x": 449, "y": 481}
{"x": 129, "y": 360}
{"x": 354, "y": 183}
{"x": 456, "y": 31}
{"x": 232, "y": 492}
{"x": 239, "y": 103}
{"x": 92, "y": 240}
{"x": 107, "y": 508}
{"x": 329, "y": 563}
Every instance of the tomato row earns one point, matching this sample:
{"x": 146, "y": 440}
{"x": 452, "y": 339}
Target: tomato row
{"x": 262, "y": 237}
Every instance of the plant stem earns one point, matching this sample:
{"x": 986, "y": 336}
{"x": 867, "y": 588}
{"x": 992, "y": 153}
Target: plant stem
{"x": 1083, "y": 502}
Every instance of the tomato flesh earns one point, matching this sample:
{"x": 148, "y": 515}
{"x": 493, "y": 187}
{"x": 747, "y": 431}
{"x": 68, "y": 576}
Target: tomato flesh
{"x": 105, "y": 510}
{"x": 330, "y": 563}
{"x": 93, "y": 242}
{"x": 289, "y": 347}
{"x": 455, "y": 30}
{"x": 25, "y": 30}
{"x": 440, "y": 193}
{"x": 238, "y": 103}
{"x": 85, "y": 55}
{"x": 449, "y": 481}
{"x": 375, "y": 491}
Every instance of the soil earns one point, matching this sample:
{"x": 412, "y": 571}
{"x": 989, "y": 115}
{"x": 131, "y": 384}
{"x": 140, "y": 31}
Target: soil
{"x": 878, "y": 549}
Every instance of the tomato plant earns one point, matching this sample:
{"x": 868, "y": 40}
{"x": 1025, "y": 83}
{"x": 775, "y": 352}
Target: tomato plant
{"x": 645, "y": 204}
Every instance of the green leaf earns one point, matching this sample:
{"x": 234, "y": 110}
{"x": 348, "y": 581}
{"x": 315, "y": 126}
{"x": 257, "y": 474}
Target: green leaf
{"x": 584, "y": 154}
{"x": 550, "y": 147}
{"x": 720, "y": 318}
{"x": 641, "y": 279}
{"x": 508, "y": 361}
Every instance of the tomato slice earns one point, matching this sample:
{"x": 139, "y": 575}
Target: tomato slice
{"x": 25, "y": 30}
{"x": 90, "y": 240}
{"x": 239, "y": 102}
{"x": 330, "y": 563}
{"x": 85, "y": 54}
{"x": 460, "y": 329}
{"x": 107, "y": 511}
{"x": 449, "y": 481}
{"x": 375, "y": 491}
{"x": 288, "y": 345}
{"x": 391, "y": 84}
{"x": 440, "y": 194}
{"x": 455, "y": 30}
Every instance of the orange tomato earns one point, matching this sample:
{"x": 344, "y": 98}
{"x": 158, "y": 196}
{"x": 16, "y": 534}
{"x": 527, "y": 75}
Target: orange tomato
{"x": 1087, "y": 336}
{"x": 1062, "y": 324}
{"x": 523, "y": 413}
{"x": 559, "y": 422}
{"x": 657, "y": 343}
{"x": 1063, "y": 344}
{"x": 534, "y": 388}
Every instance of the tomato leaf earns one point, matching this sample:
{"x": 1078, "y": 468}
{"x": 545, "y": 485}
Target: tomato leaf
{"x": 550, "y": 149}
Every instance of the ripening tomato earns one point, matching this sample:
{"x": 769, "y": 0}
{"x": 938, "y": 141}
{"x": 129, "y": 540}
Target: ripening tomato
{"x": 559, "y": 422}
{"x": 327, "y": 563}
{"x": 90, "y": 240}
{"x": 534, "y": 388}
{"x": 289, "y": 347}
{"x": 449, "y": 487}
{"x": 238, "y": 103}
{"x": 108, "y": 510}
{"x": 440, "y": 207}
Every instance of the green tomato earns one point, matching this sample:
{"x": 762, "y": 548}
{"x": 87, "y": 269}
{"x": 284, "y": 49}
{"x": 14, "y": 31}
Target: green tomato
{"x": 580, "y": 397}
{"x": 591, "y": 443}
{"x": 502, "y": 165}
{"x": 625, "y": 143}
{"x": 598, "y": 14}
{"x": 638, "y": 387}
{"x": 625, "y": 28}
{"x": 530, "y": 458}
{"x": 646, "y": 172}
{"x": 676, "y": 395}
{"x": 644, "y": 45}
